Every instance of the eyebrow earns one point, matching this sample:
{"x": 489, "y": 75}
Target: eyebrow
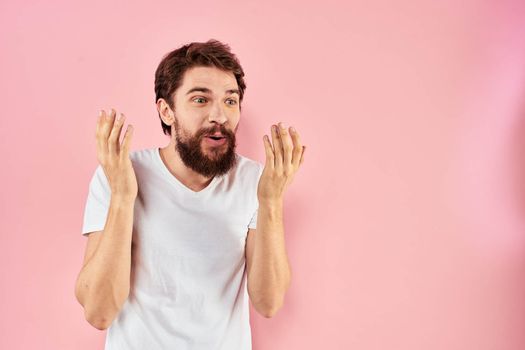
{"x": 208, "y": 91}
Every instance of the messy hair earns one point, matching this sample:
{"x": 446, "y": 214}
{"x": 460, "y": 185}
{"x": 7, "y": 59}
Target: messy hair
{"x": 170, "y": 72}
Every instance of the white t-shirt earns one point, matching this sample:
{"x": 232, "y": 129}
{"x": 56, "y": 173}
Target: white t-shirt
{"x": 188, "y": 280}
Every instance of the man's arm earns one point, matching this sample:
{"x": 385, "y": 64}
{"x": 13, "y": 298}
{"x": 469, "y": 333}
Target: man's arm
{"x": 103, "y": 284}
{"x": 267, "y": 264}
{"x": 269, "y": 273}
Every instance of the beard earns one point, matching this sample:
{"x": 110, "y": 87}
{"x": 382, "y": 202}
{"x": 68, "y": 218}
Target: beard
{"x": 203, "y": 158}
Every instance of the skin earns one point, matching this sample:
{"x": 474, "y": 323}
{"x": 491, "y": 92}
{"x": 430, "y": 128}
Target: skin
{"x": 103, "y": 283}
{"x": 195, "y": 115}
{"x": 268, "y": 269}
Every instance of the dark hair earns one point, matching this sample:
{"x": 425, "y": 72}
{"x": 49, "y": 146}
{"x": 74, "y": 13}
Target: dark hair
{"x": 213, "y": 53}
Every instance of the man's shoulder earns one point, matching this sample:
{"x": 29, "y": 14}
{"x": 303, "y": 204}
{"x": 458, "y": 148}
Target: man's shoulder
{"x": 143, "y": 155}
{"x": 245, "y": 164}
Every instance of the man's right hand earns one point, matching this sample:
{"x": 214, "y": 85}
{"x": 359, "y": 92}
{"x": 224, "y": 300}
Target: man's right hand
{"x": 114, "y": 157}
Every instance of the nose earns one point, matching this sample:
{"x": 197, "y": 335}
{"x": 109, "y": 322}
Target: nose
{"x": 217, "y": 114}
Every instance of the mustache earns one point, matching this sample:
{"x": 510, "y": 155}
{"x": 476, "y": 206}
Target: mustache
{"x": 224, "y": 132}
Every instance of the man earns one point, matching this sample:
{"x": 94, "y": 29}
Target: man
{"x": 172, "y": 238}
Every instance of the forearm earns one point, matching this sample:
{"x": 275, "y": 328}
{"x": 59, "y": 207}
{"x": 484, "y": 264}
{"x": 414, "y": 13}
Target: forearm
{"x": 270, "y": 273}
{"x": 104, "y": 282}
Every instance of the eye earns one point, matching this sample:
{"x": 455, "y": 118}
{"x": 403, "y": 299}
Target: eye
{"x": 234, "y": 101}
{"x": 198, "y": 98}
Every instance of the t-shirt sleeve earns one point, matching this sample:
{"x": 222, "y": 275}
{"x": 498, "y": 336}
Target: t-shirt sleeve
{"x": 97, "y": 203}
{"x": 253, "y": 221}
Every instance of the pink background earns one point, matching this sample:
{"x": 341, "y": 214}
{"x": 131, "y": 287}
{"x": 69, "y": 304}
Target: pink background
{"x": 405, "y": 226}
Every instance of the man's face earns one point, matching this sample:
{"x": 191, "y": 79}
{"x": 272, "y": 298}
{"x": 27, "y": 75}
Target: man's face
{"x": 206, "y": 105}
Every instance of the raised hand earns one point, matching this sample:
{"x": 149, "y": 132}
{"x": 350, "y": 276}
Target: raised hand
{"x": 114, "y": 157}
{"x": 283, "y": 159}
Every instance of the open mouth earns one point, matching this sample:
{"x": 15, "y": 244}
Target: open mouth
{"x": 215, "y": 140}
{"x": 216, "y": 137}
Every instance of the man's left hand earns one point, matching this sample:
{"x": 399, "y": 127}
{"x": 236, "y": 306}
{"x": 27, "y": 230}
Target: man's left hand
{"x": 283, "y": 159}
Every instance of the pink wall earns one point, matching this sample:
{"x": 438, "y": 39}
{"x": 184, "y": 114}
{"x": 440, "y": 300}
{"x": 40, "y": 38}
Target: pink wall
{"x": 405, "y": 227}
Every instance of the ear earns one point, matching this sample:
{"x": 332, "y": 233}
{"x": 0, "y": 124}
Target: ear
{"x": 165, "y": 112}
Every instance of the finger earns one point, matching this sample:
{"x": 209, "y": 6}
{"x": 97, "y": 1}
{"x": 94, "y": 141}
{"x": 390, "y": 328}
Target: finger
{"x": 302, "y": 155}
{"x": 114, "y": 136}
{"x": 287, "y": 146}
{"x": 102, "y": 141}
{"x": 277, "y": 149}
{"x": 99, "y": 120}
{"x": 126, "y": 141}
{"x": 107, "y": 125}
{"x": 97, "y": 132}
{"x": 269, "y": 153}
{"x": 297, "y": 147}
